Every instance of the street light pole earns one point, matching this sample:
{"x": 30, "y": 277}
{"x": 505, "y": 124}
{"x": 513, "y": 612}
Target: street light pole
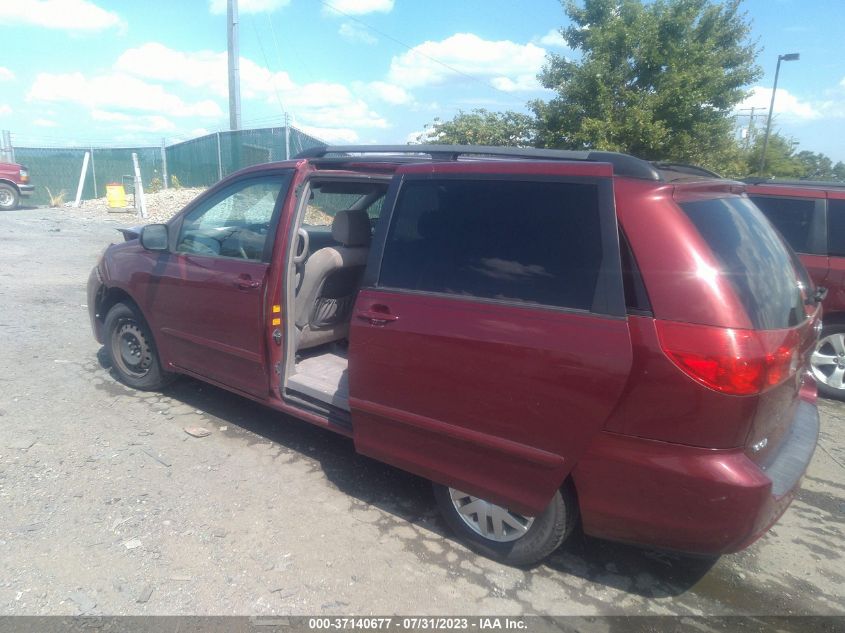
{"x": 785, "y": 58}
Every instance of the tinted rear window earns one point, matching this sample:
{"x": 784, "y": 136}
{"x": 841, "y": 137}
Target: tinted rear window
{"x": 795, "y": 218}
{"x": 753, "y": 257}
{"x": 532, "y": 242}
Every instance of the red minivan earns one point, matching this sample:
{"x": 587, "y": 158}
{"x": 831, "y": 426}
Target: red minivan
{"x": 811, "y": 218}
{"x": 548, "y": 336}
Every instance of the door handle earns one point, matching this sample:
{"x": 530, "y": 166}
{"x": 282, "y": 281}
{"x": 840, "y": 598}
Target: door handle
{"x": 245, "y": 282}
{"x": 377, "y": 315}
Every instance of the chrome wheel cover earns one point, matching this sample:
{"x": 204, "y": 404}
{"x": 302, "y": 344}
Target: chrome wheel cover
{"x": 489, "y": 520}
{"x": 828, "y": 361}
{"x": 6, "y": 198}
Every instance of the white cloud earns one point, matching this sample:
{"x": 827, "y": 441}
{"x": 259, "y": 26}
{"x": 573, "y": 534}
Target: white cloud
{"x": 5, "y": 109}
{"x": 6, "y": 74}
{"x": 320, "y": 104}
{"x": 387, "y": 92}
{"x": 513, "y": 66}
{"x": 104, "y": 115}
{"x": 199, "y": 69}
{"x": 787, "y": 105}
{"x": 331, "y": 134}
{"x": 218, "y": 7}
{"x": 553, "y": 39}
{"x": 69, "y": 15}
{"x": 45, "y": 123}
{"x": 116, "y": 90}
{"x": 331, "y": 105}
{"x": 145, "y": 122}
{"x": 352, "y": 32}
{"x": 521, "y": 83}
{"x": 357, "y": 7}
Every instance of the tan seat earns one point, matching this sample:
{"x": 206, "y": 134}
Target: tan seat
{"x": 330, "y": 281}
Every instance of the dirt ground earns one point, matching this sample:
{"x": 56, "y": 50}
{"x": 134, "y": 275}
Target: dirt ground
{"x": 110, "y": 507}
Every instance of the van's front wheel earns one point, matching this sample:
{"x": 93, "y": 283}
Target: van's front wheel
{"x": 503, "y": 534}
{"x": 131, "y": 349}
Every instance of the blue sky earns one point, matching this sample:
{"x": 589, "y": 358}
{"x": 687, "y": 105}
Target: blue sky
{"x": 123, "y": 72}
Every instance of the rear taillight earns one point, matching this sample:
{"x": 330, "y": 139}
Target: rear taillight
{"x": 737, "y": 362}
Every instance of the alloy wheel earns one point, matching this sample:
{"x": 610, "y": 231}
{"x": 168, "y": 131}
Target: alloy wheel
{"x": 828, "y": 360}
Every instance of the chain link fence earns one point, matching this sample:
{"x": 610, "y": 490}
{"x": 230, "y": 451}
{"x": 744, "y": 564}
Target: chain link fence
{"x": 199, "y": 162}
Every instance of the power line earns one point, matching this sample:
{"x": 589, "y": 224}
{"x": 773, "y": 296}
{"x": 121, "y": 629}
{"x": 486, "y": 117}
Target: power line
{"x": 267, "y": 64}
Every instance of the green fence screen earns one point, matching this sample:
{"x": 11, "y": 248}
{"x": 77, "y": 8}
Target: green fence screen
{"x": 199, "y": 162}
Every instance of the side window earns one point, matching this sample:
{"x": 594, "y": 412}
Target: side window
{"x": 795, "y": 218}
{"x": 836, "y": 227}
{"x": 325, "y": 202}
{"x": 533, "y": 242}
{"x": 236, "y": 225}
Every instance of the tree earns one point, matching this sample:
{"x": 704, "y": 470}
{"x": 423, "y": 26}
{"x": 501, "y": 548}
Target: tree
{"x": 818, "y": 166}
{"x": 781, "y": 159}
{"x": 481, "y": 127}
{"x": 656, "y": 80}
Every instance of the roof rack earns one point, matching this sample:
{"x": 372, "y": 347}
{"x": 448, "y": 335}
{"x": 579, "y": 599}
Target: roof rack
{"x": 623, "y": 164}
{"x": 760, "y": 180}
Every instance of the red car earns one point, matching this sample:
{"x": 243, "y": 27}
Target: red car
{"x": 548, "y": 336}
{"x": 811, "y": 217}
{"x": 14, "y": 185}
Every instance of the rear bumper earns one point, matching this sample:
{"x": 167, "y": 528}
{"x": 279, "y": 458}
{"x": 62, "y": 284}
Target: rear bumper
{"x": 690, "y": 499}
{"x": 26, "y": 190}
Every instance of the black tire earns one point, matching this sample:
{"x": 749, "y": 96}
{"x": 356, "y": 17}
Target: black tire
{"x": 831, "y": 344}
{"x": 9, "y": 197}
{"x": 132, "y": 351}
{"x": 544, "y": 535}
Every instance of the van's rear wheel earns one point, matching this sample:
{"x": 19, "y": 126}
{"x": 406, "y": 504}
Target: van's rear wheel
{"x": 131, "y": 349}
{"x": 503, "y": 534}
{"x": 828, "y": 361}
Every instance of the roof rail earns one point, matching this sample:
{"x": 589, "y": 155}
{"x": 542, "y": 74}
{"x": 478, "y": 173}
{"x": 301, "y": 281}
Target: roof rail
{"x": 623, "y": 164}
{"x": 760, "y": 180}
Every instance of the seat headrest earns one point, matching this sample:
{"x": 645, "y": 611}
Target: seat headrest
{"x": 351, "y": 228}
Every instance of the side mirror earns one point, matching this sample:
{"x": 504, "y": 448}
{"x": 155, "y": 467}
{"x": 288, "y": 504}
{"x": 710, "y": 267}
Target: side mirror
{"x": 154, "y": 237}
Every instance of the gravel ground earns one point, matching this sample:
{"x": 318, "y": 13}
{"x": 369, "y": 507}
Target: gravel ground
{"x": 110, "y": 507}
{"x": 161, "y": 206}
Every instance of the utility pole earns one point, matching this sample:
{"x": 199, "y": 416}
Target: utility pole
{"x": 287, "y": 137}
{"x": 234, "y": 66}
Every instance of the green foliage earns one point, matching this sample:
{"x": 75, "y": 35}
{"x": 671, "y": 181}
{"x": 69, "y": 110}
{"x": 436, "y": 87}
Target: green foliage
{"x": 781, "y": 161}
{"x": 174, "y": 182}
{"x": 481, "y": 127}
{"x": 818, "y": 166}
{"x": 656, "y": 80}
